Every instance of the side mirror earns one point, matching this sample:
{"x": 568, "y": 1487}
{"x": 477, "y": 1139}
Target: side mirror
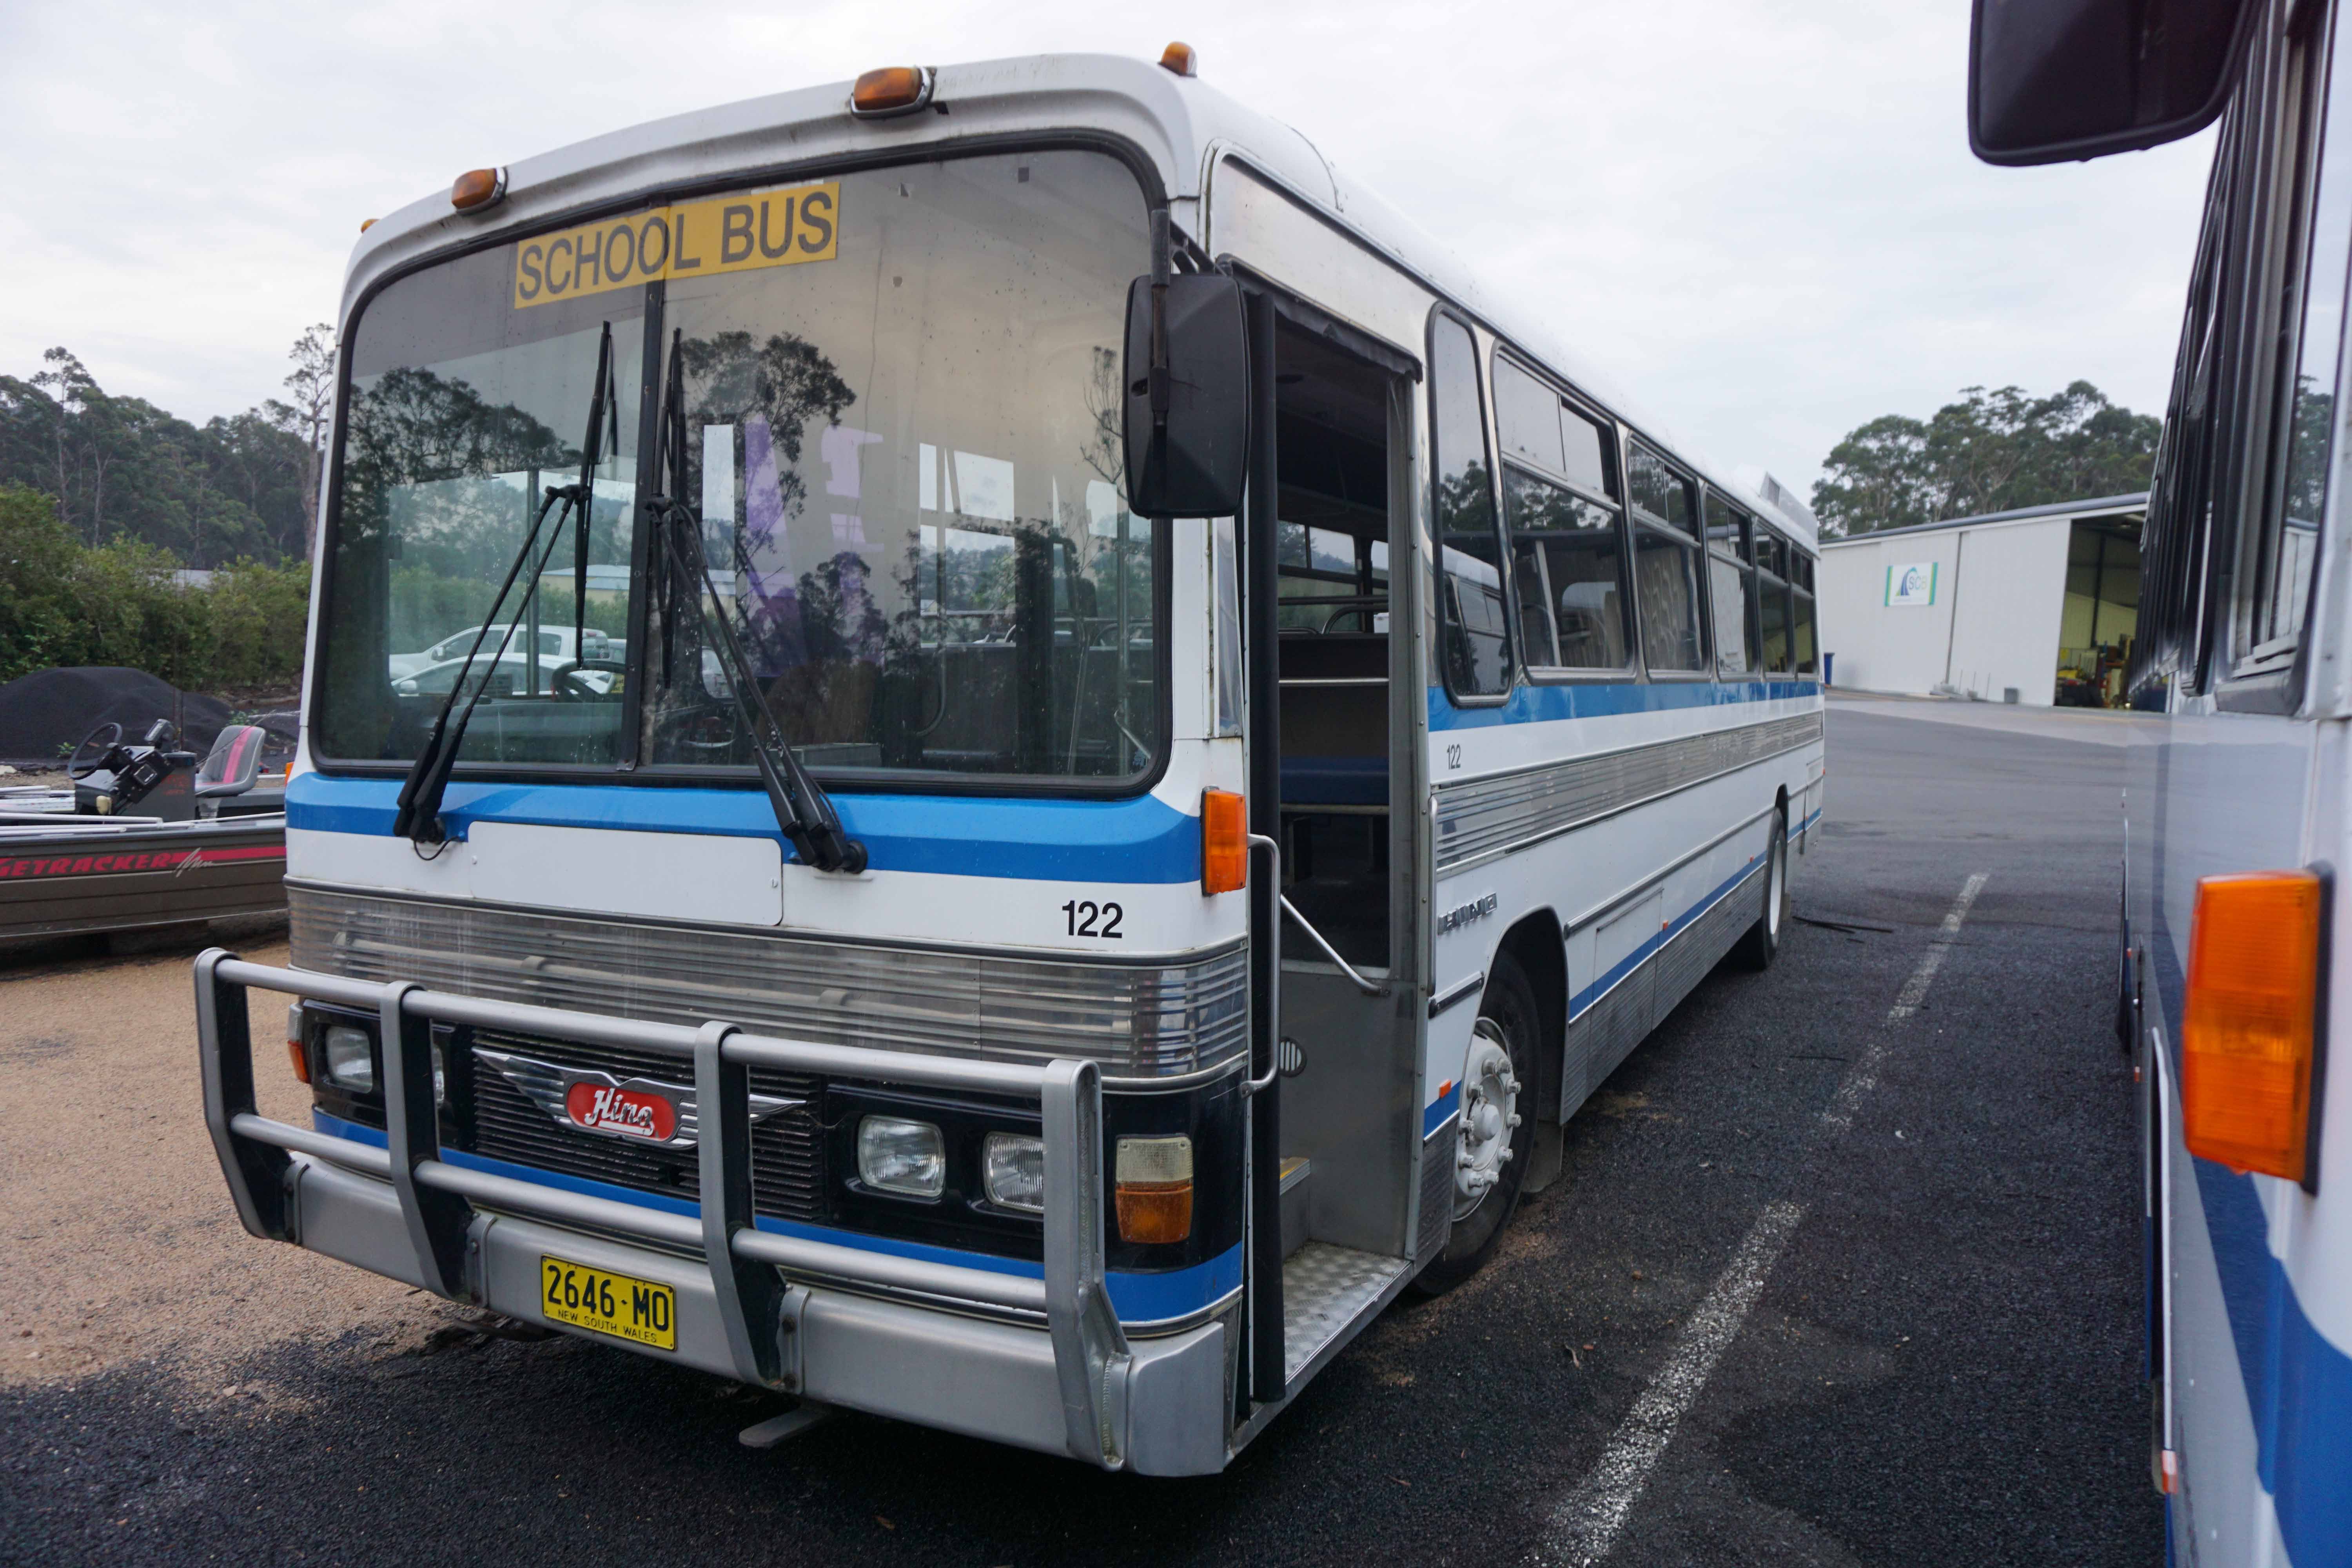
{"x": 1189, "y": 463}
{"x": 2056, "y": 80}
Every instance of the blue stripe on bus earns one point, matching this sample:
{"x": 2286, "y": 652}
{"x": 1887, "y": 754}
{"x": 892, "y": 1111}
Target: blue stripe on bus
{"x": 1434, "y": 1115}
{"x": 1533, "y": 704}
{"x": 2298, "y": 1385}
{"x": 1626, "y": 966}
{"x": 1138, "y": 839}
{"x": 1137, "y": 1297}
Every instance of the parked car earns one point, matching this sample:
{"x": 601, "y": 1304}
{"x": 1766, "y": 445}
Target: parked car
{"x": 552, "y": 640}
{"x": 509, "y": 678}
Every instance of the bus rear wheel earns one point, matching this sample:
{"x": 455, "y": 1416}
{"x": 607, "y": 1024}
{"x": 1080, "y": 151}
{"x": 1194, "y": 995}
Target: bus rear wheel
{"x": 1495, "y": 1131}
{"x": 1761, "y": 942}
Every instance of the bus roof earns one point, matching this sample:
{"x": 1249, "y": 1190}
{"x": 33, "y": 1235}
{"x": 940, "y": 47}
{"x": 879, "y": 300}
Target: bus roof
{"x": 1179, "y": 123}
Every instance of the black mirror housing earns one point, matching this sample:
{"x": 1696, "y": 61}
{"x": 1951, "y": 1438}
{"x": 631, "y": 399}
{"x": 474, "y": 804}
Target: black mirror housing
{"x": 2052, "y": 81}
{"x": 1192, "y": 465}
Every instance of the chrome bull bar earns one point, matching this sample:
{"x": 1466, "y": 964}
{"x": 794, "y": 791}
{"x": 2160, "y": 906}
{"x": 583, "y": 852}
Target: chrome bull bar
{"x": 748, "y": 1265}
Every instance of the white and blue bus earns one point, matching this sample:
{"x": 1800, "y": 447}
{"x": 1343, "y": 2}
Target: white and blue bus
{"x": 1149, "y": 746}
{"x": 2237, "y": 815}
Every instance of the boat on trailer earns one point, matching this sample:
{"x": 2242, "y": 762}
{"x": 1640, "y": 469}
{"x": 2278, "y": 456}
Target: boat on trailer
{"x": 144, "y": 836}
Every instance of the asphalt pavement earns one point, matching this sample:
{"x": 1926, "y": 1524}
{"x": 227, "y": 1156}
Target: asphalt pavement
{"x": 1938, "y": 1362}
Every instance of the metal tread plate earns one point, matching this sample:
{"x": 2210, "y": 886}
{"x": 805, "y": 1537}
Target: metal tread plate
{"x": 1323, "y": 1289}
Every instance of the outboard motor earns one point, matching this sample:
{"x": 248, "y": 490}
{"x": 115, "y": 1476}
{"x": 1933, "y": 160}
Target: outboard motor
{"x": 150, "y": 779}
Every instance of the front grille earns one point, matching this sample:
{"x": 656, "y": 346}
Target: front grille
{"x": 1140, "y": 1019}
{"x": 787, "y": 1150}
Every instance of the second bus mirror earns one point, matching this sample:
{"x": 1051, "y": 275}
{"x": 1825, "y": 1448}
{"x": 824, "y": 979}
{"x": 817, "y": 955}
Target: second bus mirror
{"x": 1192, "y": 466}
{"x": 2055, "y": 81}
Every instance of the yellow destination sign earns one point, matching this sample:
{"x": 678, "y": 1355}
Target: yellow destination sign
{"x": 731, "y": 234}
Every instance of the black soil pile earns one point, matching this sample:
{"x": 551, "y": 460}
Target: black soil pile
{"x": 45, "y": 714}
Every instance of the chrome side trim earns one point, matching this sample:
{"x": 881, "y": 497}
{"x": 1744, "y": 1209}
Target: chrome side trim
{"x": 1148, "y": 1021}
{"x": 1483, "y": 818}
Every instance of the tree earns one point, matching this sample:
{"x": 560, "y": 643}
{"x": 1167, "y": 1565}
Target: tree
{"x": 1991, "y": 451}
{"x": 309, "y": 416}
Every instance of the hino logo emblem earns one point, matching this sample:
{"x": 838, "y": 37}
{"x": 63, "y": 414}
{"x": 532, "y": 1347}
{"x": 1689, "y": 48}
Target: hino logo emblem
{"x": 640, "y": 1109}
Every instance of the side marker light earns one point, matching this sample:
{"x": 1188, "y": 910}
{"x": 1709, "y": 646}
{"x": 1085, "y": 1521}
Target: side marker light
{"x": 1224, "y": 842}
{"x": 294, "y": 1051}
{"x": 2249, "y": 1022}
{"x": 479, "y": 189}
{"x": 892, "y": 89}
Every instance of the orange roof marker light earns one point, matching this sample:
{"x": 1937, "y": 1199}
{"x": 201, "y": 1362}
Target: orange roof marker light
{"x": 1181, "y": 58}
{"x": 1224, "y": 842}
{"x": 2249, "y": 1028}
{"x": 477, "y": 189}
{"x": 366, "y": 224}
{"x": 893, "y": 89}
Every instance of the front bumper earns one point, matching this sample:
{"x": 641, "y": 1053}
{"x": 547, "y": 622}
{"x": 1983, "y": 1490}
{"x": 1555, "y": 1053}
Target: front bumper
{"x": 830, "y": 1323}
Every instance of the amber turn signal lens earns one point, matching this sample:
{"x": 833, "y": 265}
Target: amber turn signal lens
{"x": 2247, "y": 1027}
{"x": 477, "y": 188}
{"x": 1179, "y": 58}
{"x": 893, "y": 89}
{"x": 1154, "y": 1195}
{"x": 1224, "y": 842}
{"x": 300, "y": 1060}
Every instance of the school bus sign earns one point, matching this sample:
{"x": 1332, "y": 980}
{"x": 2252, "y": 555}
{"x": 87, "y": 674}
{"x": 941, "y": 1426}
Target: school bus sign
{"x": 735, "y": 233}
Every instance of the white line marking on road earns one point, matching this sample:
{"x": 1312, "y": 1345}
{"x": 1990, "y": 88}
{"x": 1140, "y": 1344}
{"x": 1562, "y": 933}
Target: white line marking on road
{"x": 1586, "y": 1523}
{"x": 1863, "y": 1076}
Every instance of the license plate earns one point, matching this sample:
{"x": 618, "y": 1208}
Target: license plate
{"x": 620, "y": 1305}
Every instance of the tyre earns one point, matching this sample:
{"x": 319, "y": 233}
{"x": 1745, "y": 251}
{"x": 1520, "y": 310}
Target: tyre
{"x": 1760, "y": 944}
{"x": 1495, "y": 1133}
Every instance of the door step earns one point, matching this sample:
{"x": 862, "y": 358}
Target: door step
{"x": 1297, "y": 1170}
{"x": 1323, "y": 1289}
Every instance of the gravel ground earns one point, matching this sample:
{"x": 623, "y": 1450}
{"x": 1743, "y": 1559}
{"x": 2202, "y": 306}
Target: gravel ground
{"x": 1941, "y": 1367}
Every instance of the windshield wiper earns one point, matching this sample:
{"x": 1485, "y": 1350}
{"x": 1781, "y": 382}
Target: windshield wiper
{"x": 417, "y": 813}
{"x": 804, "y": 812}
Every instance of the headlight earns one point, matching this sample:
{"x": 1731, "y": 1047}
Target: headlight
{"x": 349, "y": 1059}
{"x": 1013, "y": 1170}
{"x": 904, "y": 1157}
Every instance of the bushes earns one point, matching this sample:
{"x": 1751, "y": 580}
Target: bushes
{"x": 63, "y": 604}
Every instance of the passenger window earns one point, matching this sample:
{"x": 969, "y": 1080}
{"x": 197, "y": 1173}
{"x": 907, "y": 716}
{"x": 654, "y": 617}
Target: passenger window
{"x": 1772, "y": 605}
{"x": 2287, "y": 545}
{"x": 1567, "y": 558}
{"x": 1475, "y": 649}
{"x": 1665, "y": 564}
{"x": 1802, "y": 627}
{"x": 1526, "y": 418}
{"x": 1729, "y": 575}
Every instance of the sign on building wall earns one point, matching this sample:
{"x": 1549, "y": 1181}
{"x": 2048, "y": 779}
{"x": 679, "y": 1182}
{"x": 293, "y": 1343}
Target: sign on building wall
{"x": 1913, "y": 584}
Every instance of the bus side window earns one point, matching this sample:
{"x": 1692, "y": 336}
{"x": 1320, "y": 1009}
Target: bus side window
{"x": 1665, "y": 564}
{"x": 1730, "y": 576}
{"x": 1476, "y": 646}
{"x": 1772, "y": 600}
{"x": 2286, "y": 542}
{"x": 1568, "y": 554}
{"x": 1801, "y": 618}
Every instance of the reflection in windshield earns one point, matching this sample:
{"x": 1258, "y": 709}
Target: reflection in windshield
{"x": 904, "y": 449}
{"x": 909, "y": 455}
{"x": 449, "y": 444}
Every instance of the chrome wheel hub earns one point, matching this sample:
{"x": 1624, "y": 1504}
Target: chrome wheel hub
{"x": 1490, "y": 1110}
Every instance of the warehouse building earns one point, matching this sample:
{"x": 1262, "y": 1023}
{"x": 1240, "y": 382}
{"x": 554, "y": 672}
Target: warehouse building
{"x": 2037, "y": 605}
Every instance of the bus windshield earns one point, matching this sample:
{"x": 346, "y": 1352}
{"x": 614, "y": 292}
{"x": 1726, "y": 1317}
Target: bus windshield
{"x": 898, "y": 391}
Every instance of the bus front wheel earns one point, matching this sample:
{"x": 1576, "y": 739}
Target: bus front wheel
{"x": 1495, "y": 1131}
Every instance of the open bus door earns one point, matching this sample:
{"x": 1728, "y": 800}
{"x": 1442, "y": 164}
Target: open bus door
{"x": 1338, "y": 878}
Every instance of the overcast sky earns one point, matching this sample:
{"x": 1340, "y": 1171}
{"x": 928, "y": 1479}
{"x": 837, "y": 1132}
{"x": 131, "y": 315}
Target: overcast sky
{"x": 1761, "y": 218}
